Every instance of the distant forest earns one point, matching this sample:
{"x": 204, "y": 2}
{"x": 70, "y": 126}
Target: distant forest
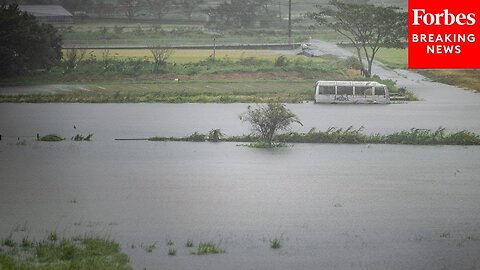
{"x": 237, "y": 13}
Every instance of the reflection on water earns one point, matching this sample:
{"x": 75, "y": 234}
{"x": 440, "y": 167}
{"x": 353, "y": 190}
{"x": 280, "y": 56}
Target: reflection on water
{"x": 336, "y": 206}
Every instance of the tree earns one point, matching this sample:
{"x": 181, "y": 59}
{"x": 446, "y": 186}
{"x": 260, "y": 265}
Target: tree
{"x": 366, "y": 26}
{"x": 159, "y": 7}
{"x": 34, "y": 2}
{"x": 241, "y": 13}
{"x": 266, "y": 120}
{"x": 160, "y": 57}
{"x": 130, "y": 7}
{"x": 72, "y": 57}
{"x": 215, "y": 135}
{"x": 189, "y": 6}
{"x": 78, "y": 5}
{"x": 25, "y": 44}
{"x": 102, "y": 8}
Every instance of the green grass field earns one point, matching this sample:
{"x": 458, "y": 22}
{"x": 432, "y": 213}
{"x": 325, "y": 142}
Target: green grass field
{"x": 180, "y": 92}
{"x": 101, "y": 34}
{"x": 393, "y": 58}
{"x": 183, "y": 56}
{"x": 189, "y": 76}
{"x": 231, "y": 66}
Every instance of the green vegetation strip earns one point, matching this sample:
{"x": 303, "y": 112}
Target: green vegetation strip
{"x": 180, "y": 92}
{"x": 52, "y": 254}
{"x": 351, "y": 135}
{"x": 236, "y": 79}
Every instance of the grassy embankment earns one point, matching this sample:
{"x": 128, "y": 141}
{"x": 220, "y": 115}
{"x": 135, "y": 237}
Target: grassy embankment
{"x": 57, "y": 254}
{"x": 351, "y": 136}
{"x": 190, "y": 76}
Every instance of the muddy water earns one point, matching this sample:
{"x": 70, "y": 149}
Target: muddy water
{"x": 333, "y": 206}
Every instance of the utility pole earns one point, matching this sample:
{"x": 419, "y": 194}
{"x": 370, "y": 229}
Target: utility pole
{"x": 214, "y": 47}
{"x": 289, "y": 21}
{"x": 280, "y": 12}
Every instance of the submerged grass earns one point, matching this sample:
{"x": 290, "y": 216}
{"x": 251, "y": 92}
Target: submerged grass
{"x": 189, "y": 243}
{"x": 76, "y": 253}
{"x": 172, "y": 251}
{"x": 413, "y": 136}
{"x": 80, "y": 137}
{"x": 150, "y": 247}
{"x": 276, "y": 243}
{"x": 51, "y": 138}
{"x": 205, "y": 248}
{"x": 350, "y": 135}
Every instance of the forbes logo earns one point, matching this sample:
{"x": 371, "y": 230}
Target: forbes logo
{"x": 421, "y": 17}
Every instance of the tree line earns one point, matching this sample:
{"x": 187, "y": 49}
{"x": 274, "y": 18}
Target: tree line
{"x": 232, "y": 12}
{"x": 27, "y": 45}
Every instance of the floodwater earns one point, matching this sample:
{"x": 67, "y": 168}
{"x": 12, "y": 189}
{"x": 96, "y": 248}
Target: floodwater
{"x": 332, "y": 206}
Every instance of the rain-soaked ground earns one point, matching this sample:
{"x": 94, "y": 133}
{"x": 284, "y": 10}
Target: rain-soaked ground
{"x": 332, "y": 206}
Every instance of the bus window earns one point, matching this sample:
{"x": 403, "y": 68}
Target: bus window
{"x": 344, "y": 90}
{"x": 326, "y": 90}
{"x": 363, "y": 90}
{"x": 380, "y": 90}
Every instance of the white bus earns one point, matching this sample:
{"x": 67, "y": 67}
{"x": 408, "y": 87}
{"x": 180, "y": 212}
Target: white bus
{"x": 351, "y": 92}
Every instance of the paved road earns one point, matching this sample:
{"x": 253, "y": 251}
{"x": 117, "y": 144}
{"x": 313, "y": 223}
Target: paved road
{"x": 425, "y": 89}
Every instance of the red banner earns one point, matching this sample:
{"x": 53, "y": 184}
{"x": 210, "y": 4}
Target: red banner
{"x": 443, "y": 34}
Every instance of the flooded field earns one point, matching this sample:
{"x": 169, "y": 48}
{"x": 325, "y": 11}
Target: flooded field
{"x": 332, "y": 206}
{"x": 109, "y": 121}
